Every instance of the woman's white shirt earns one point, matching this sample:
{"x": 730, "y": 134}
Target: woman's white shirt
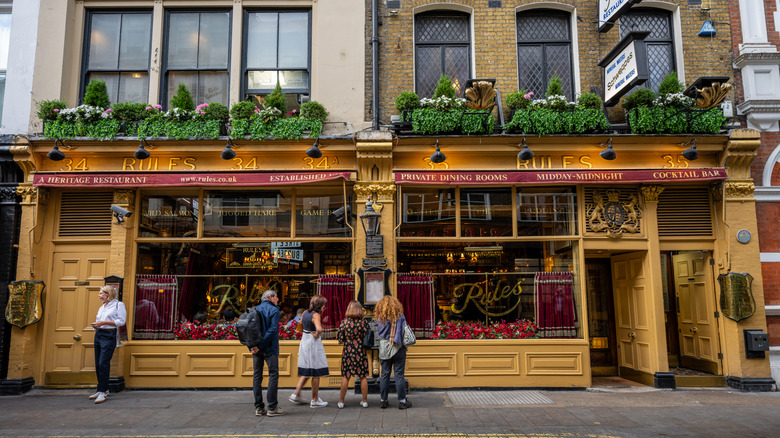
{"x": 113, "y": 310}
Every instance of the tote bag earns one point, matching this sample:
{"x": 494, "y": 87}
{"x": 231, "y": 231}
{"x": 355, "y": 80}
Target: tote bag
{"x": 386, "y": 351}
{"x": 409, "y": 338}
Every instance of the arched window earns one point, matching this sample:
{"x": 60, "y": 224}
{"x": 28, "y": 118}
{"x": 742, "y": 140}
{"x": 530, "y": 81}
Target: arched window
{"x": 442, "y": 45}
{"x": 544, "y": 49}
{"x": 660, "y": 42}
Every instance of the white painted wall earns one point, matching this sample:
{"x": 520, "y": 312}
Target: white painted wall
{"x": 18, "y": 104}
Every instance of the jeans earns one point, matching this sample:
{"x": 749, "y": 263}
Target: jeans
{"x": 397, "y": 364}
{"x": 105, "y": 343}
{"x": 273, "y": 379}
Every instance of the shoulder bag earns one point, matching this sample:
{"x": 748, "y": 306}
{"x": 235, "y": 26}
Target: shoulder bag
{"x": 409, "y": 338}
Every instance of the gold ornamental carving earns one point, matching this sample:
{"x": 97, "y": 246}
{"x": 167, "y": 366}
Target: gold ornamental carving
{"x": 384, "y": 190}
{"x": 481, "y": 96}
{"x": 617, "y": 214}
{"x": 739, "y": 189}
{"x": 651, "y": 193}
{"x": 28, "y": 194}
{"x": 124, "y": 197}
{"x": 713, "y": 95}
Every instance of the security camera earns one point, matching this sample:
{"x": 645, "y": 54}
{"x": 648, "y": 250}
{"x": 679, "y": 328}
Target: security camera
{"x": 120, "y": 213}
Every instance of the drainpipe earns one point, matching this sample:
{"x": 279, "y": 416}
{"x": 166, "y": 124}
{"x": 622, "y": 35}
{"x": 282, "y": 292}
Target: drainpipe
{"x": 375, "y": 63}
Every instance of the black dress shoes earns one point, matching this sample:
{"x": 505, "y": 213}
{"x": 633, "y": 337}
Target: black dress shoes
{"x": 405, "y": 405}
{"x": 383, "y": 404}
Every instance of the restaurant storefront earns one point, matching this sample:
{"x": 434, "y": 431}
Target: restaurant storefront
{"x": 537, "y": 273}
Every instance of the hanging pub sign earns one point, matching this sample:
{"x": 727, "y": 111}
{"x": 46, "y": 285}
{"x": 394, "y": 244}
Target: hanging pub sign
{"x": 611, "y": 10}
{"x": 625, "y": 66}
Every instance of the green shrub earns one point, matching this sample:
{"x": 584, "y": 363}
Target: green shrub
{"x": 182, "y": 99}
{"x": 314, "y": 110}
{"x": 641, "y": 98}
{"x": 517, "y": 100}
{"x": 670, "y": 85}
{"x": 96, "y": 94}
{"x": 129, "y": 111}
{"x": 589, "y": 100}
{"x": 710, "y": 122}
{"x": 555, "y": 86}
{"x": 46, "y": 108}
{"x": 445, "y": 88}
{"x": 242, "y": 110}
{"x": 407, "y": 101}
{"x": 216, "y": 111}
{"x": 276, "y": 100}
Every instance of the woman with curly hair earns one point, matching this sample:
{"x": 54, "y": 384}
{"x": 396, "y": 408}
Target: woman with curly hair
{"x": 353, "y": 359}
{"x": 389, "y": 315}
{"x": 312, "y": 362}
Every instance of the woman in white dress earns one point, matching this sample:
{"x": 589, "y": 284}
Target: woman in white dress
{"x": 312, "y": 362}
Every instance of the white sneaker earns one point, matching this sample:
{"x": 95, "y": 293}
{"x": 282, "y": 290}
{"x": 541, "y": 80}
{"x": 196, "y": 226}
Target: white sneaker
{"x": 341, "y": 405}
{"x": 318, "y": 403}
{"x": 95, "y": 395}
{"x": 364, "y": 404}
{"x": 297, "y": 399}
{"x": 101, "y": 397}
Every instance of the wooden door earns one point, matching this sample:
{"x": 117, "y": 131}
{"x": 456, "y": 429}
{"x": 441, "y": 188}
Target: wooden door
{"x": 696, "y": 322}
{"x": 632, "y": 322}
{"x": 76, "y": 280}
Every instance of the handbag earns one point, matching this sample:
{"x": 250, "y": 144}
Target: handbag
{"x": 409, "y": 338}
{"x": 386, "y": 351}
{"x": 369, "y": 340}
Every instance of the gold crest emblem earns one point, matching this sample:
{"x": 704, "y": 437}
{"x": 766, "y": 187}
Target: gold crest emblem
{"x": 24, "y": 303}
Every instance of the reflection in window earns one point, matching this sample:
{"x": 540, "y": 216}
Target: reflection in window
{"x": 197, "y": 55}
{"x": 442, "y": 47}
{"x": 501, "y": 281}
{"x": 247, "y": 214}
{"x": 428, "y": 212}
{"x": 546, "y": 212}
{"x": 323, "y": 214}
{"x": 168, "y": 216}
{"x": 486, "y": 212}
{"x": 118, "y": 53}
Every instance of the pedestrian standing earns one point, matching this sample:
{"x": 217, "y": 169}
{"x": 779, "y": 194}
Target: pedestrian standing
{"x": 110, "y": 316}
{"x": 353, "y": 359}
{"x": 267, "y": 351}
{"x": 312, "y": 362}
{"x": 389, "y": 314}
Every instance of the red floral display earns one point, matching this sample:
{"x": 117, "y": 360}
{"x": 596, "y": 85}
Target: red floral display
{"x": 520, "y": 329}
{"x": 214, "y": 332}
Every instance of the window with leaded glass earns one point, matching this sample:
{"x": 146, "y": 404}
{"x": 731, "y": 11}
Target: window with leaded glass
{"x": 278, "y": 50}
{"x": 442, "y": 46}
{"x": 117, "y": 52}
{"x": 198, "y": 55}
{"x": 543, "y": 50}
{"x": 660, "y": 42}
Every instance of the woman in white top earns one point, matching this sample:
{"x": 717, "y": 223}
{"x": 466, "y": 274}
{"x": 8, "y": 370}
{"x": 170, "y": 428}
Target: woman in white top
{"x": 110, "y": 316}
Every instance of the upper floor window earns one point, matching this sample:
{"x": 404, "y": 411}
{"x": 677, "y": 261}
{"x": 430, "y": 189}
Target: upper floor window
{"x": 544, "y": 50}
{"x": 198, "y": 55}
{"x": 442, "y": 45}
{"x": 5, "y": 34}
{"x": 660, "y": 42}
{"x": 278, "y": 50}
{"x": 117, "y": 52}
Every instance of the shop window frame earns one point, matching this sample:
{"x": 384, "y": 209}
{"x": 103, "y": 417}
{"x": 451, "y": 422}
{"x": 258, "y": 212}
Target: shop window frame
{"x": 442, "y": 45}
{"x": 544, "y": 44}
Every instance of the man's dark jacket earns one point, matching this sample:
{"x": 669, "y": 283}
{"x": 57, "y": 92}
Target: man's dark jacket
{"x": 269, "y": 328}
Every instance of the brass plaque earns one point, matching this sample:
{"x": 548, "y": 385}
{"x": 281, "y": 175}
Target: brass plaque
{"x": 24, "y": 303}
{"x": 736, "y": 296}
{"x": 82, "y": 283}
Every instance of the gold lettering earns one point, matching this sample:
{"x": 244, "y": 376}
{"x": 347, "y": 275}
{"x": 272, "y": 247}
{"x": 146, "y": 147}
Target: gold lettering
{"x": 190, "y": 162}
{"x": 173, "y": 162}
{"x": 128, "y": 164}
{"x": 566, "y": 160}
{"x": 483, "y": 299}
{"x": 585, "y": 161}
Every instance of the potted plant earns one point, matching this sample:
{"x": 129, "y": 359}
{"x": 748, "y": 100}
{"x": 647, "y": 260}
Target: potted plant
{"x": 406, "y": 103}
{"x": 48, "y": 110}
{"x": 129, "y": 114}
{"x": 641, "y": 99}
{"x": 96, "y": 94}
{"x": 314, "y": 110}
{"x": 241, "y": 114}
{"x": 182, "y": 99}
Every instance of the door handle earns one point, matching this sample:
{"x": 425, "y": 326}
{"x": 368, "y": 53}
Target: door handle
{"x": 694, "y": 329}
{"x": 632, "y": 335}
{"x": 77, "y": 337}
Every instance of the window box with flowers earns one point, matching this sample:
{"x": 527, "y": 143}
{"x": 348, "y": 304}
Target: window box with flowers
{"x": 555, "y": 114}
{"x": 187, "y": 330}
{"x": 520, "y": 329}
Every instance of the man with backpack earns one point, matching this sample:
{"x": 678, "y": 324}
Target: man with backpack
{"x": 267, "y": 350}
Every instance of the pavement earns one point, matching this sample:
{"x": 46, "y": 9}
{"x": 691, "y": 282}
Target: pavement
{"x": 623, "y": 411}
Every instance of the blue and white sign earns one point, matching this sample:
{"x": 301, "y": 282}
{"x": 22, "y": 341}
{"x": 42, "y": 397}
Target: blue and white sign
{"x": 611, "y": 10}
{"x": 625, "y": 66}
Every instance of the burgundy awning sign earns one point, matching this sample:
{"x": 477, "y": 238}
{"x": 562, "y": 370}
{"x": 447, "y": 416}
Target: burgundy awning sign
{"x": 561, "y": 176}
{"x": 182, "y": 179}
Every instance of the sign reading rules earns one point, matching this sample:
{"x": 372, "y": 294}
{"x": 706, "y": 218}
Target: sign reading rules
{"x": 624, "y": 67}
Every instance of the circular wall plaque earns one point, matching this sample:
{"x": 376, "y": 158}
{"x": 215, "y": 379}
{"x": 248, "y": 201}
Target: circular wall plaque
{"x": 743, "y": 236}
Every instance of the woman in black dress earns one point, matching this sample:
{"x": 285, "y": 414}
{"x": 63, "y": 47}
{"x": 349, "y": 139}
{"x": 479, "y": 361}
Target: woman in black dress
{"x": 353, "y": 361}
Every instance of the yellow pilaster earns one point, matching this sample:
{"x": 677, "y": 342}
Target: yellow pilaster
{"x": 120, "y": 262}
{"x": 655, "y": 278}
{"x": 738, "y": 211}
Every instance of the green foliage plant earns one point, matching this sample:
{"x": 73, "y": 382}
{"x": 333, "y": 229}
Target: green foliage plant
{"x": 242, "y": 110}
{"x": 182, "y": 99}
{"x": 519, "y": 99}
{"x": 670, "y": 85}
{"x": 407, "y": 101}
{"x": 48, "y": 110}
{"x": 314, "y": 110}
{"x": 129, "y": 111}
{"x": 589, "y": 100}
{"x": 276, "y": 100}
{"x": 643, "y": 97}
{"x": 216, "y": 111}
{"x": 554, "y": 86}
{"x": 445, "y": 88}
{"x": 710, "y": 122}
{"x": 96, "y": 94}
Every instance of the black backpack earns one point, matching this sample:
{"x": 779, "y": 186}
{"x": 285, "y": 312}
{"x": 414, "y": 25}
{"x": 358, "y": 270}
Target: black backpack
{"x": 248, "y": 328}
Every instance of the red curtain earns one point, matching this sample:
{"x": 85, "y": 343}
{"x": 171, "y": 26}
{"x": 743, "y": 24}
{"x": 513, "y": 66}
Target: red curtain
{"x": 339, "y": 290}
{"x": 554, "y": 305}
{"x": 155, "y": 306}
{"x": 415, "y": 292}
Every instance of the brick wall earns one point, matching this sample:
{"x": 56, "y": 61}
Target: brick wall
{"x": 496, "y": 47}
